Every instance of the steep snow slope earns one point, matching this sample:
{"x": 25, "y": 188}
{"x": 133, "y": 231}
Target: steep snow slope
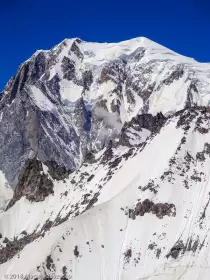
{"x": 149, "y": 221}
{"x": 107, "y": 149}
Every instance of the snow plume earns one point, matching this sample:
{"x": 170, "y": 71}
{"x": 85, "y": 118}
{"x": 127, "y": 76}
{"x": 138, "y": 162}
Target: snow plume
{"x": 110, "y": 119}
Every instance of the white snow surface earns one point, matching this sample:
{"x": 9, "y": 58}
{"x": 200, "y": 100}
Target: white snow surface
{"x": 41, "y": 100}
{"x": 149, "y": 71}
{"x": 6, "y": 192}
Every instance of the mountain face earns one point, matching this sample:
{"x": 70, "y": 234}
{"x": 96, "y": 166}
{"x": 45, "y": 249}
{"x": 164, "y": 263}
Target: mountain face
{"x": 104, "y": 164}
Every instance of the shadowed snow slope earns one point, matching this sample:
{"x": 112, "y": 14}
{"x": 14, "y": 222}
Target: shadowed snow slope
{"x": 107, "y": 148}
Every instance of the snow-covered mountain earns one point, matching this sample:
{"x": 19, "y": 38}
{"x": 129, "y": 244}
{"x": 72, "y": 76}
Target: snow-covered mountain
{"x": 104, "y": 164}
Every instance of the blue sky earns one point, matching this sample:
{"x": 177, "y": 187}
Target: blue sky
{"x": 28, "y": 25}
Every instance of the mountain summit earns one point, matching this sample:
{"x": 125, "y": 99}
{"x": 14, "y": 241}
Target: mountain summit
{"x": 104, "y": 164}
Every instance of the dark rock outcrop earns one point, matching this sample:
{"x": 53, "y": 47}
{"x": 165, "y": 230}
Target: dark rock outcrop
{"x": 49, "y": 263}
{"x": 87, "y": 78}
{"x": 76, "y": 251}
{"x": 13, "y": 247}
{"x": 148, "y": 206}
{"x": 176, "y": 74}
{"x": 192, "y": 245}
{"x": 32, "y": 183}
{"x": 127, "y": 255}
{"x": 147, "y": 121}
{"x": 57, "y": 172}
{"x": 68, "y": 68}
{"x": 113, "y": 71}
{"x": 76, "y": 50}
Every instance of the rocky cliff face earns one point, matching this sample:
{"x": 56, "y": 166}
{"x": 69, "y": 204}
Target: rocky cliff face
{"x": 106, "y": 148}
{"x": 74, "y": 98}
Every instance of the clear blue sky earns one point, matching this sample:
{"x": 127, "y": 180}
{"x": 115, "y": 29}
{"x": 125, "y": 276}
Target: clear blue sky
{"x": 28, "y": 25}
